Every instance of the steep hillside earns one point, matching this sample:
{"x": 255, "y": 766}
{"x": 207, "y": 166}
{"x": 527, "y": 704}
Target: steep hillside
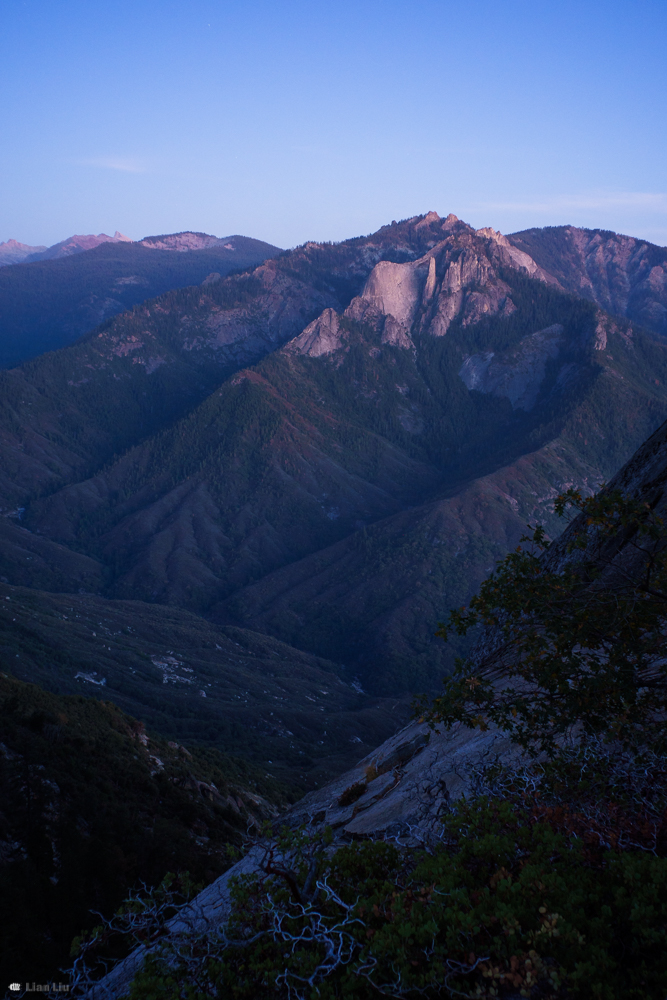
{"x": 91, "y": 806}
{"x": 624, "y": 275}
{"x": 295, "y": 715}
{"x": 353, "y": 485}
{"x": 373, "y": 598}
{"x": 55, "y": 300}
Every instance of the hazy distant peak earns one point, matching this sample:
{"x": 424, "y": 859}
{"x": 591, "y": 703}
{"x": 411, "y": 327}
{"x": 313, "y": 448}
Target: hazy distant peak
{"x": 74, "y": 244}
{"x": 181, "y": 242}
{"x": 13, "y": 252}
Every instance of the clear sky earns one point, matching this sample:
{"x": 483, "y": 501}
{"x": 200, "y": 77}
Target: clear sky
{"x": 291, "y": 120}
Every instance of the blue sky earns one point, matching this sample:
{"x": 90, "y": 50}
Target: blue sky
{"x": 289, "y": 120}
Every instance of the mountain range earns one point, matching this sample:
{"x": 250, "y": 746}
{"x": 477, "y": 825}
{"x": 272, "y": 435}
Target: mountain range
{"x": 335, "y": 446}
{"x": 13, "y": 252}
{"x": 50, "y": 299}
{"x": 234, "y": 511}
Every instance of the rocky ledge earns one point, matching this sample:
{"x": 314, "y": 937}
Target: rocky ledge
{"x": 401, "y": 790}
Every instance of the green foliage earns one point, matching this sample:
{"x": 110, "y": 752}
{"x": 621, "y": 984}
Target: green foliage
{"x": 512, "y": 902}
{"x": 581, "y": 642}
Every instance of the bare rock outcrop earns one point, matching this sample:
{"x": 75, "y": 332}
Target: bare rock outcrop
{"x": 322, "y": 336}
{"x": 515, "y": 257}
{"x": 515, "y": 375}
{"x": 393, "y": 291}
{"x": 183, "y": 242}
{"x": 401, "y": 790}
{"x": 456, "y": 278}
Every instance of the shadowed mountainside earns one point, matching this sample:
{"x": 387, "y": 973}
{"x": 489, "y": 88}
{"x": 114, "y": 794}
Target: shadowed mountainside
{"x": 67, "y": 414}
{"x": 91, "y": 806}
{"x": 58, "y": 298}
{"x": 405, "y": 787}
{"x": 294, "y": 714}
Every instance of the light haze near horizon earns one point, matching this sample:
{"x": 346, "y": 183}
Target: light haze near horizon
{"x": 289, "y": 120}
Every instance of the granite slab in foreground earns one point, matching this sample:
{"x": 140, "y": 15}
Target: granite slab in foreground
{"x": 400, "y": 790}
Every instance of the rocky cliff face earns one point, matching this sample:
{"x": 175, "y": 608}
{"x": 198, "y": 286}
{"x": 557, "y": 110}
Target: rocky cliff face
{"x": 456, "y": 279}
{"x": 624, "y": 275}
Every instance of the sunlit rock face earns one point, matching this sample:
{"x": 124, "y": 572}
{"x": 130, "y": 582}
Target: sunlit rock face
{"x": 183, "y": 242}
{"x": 456, "y": 278}
{"x": 393, "y": 291}
{"x": 322, "y": 336}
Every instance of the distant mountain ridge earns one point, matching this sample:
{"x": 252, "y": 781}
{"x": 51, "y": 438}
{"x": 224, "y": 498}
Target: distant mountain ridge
{"x": 186, "y": 241}
{"x": 52, "y": 301}
{"x": 76, "y": 244}
{"x": 13, "y": 252}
